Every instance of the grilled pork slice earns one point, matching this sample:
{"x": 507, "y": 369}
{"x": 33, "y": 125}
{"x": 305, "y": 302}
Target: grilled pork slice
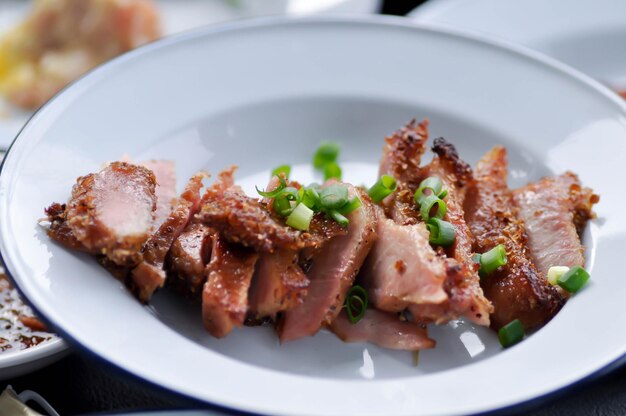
{"x": 189, "y": 255}
{"x": 149, "y": 275}
{"x": 517, "y": 289}
{"x": 465, "y": 296}
{"x": 383, "y": 329}
{"x": 332, "y": 272}
{"x": 402, "y": 268}
{"x": 59, "y": 230}
{"x": 110, "y": 213}
{"x": 165, "y": 173}
{"x": 243, "y": 220}
{"x": 555, "y": 211}
{"x": 279, "y": 284}
{"x": 401, "y": 159}
{"x": 225, "y": 293}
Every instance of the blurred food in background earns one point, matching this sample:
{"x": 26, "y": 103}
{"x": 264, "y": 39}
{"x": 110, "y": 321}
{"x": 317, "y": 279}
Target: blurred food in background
{"x": 19, "y": 328}
{"x": 62, "y": 39}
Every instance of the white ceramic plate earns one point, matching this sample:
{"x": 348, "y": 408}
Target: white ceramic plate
{"x": 587, "y": 34}
{"x": 261, "y": 93}
{"x": 179, "y": 16}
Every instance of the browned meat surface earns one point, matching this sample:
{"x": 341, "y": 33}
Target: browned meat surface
{"x": 188, "y": 257}
{"x": 401, "y": 159}
{"x": 332, "y": 272}
{"x": 243, "y": 220}
{"x": 279, "y": 284}
{"x": 402, "y": 268}
{"x": 517, "y": 290}
{"x": 383, "y": 329}
{"x": 465, "y": 296}
{"x": 59, "y": 230}
{"x": 165, "y": 173}
{"x": 149, "y": 275}
{"x": 552, "y": 210}
{"x": 111, "y": 212}
{"x": 225, "y": 294}
{"x": 403, "y": 153}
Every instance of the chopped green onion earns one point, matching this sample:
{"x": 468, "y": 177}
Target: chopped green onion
{"x": 332, "y": 171}
{"x": 492, "y": 259}
{"x": 356, "y": 303}
{"x": 334, "y": 196}
{"x": 383, "y": 188}
{"x": 275, "y": 192}
{"x": 285, "y": 169}
{"x": 511, "y": 333}
{"x": 343, "y": 221}
{"x": 476, "y": 258}
{"x": 352, "y": 205}
{"x": 326, "y": 153}
{"x": 555, "y": 272}
{"x": 443, "y": 194}
{"x": 441, "y": 232}
{"x": 300, "y": 218}
{"x": 574, "y": 279}
{"x": 283, "y": 201}
{"x": 430, "y": 203}
{"x": 311, "y": 198}
{"x": 433, "y": 184}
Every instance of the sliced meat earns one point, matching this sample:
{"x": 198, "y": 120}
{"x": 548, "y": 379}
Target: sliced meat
{"x": 59, "y": 230}
{"x": 243, "y": 220}
{"x": 402, "y": 268}
{"x": 188, "y": 257}
{"x": 111, "y": 212}
{"x": 165, "y": 173}
{"x": 149, "y": 275}
{"x": 465, "y": 296}
{"x": 401, "y": 159}
{"x": 403, "y": 153}
{"x": 279, "y": 284}
{"x": 225, "y": 293}
{"x": 517, "y": 290}
{"x": 332, "y": 272}
{"x": 552, "y": 210}
{"x": 383, "y": 329}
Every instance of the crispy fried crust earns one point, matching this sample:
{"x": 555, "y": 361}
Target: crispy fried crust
{"x": 243, "y": 220}
{"x": 466, "y": 298}
{"x": 517, "y": 290}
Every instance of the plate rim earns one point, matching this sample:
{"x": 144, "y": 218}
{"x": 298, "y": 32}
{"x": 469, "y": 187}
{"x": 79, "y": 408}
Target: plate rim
{"x": 375, "y": 21}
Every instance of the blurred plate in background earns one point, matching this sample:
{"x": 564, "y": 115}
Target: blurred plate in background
{"x": 589, "y": 35}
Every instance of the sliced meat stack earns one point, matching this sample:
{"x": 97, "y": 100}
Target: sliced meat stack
{"x": 239, "y": 257}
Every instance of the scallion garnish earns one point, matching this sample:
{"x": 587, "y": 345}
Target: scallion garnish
{"x": 334, "y": 196}
{"x": 429, "y": 186}
{"x": 433, "y": 203}
{"x": 356, "y": 303}
{"x": 275, "y": 192}
{"x": 332, "y": 171}
{"x": 340, "y": 219}
{"x": 285, "y": 202}
{"x": 326, "y": 153}
{"x": 352, "y": 205}
{"x": 441, "y": 232}
{"x": 284, "y": 169}
{"x": 511, "y": 333}
{"x": 311, "y": 198}
{"x": 300, "y": 218}
{"x": 574, "y": 279}
{"x": 383, "y": 188}
{"x": 492, "y": 259}
{"x": 555, "y": 272}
